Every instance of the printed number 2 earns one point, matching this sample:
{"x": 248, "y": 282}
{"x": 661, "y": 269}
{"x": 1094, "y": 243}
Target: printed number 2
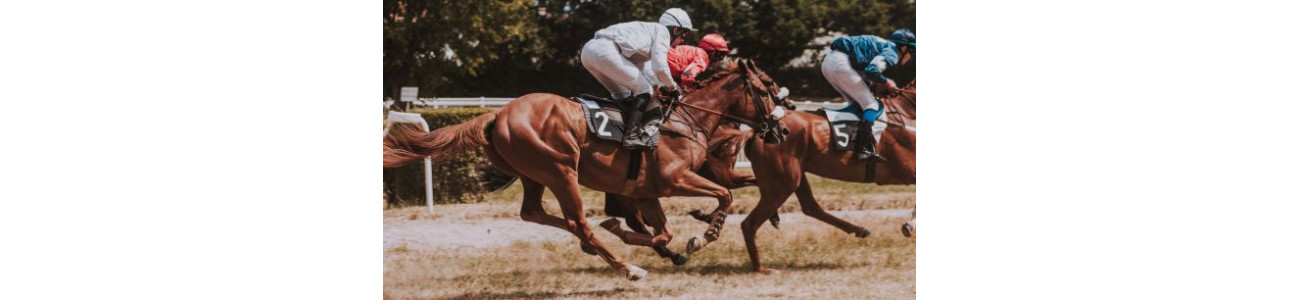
{"x": 839, "y": 132}
{"x": 604, "y": 121}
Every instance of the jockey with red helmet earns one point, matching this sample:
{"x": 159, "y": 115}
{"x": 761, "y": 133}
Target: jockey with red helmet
{"x": 687, "y": 62}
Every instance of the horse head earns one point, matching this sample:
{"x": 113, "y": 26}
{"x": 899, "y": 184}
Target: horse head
{"x": 770, "y": 99}
{"x": 744, "y": 94}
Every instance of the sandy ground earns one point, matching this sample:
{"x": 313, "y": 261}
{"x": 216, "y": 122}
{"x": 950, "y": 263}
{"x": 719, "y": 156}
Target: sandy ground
{"x": 460, "y": 234}
{"x": 484, "y": 251}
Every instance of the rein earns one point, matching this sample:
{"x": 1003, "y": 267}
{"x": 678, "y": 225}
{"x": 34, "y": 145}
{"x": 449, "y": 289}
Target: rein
{"x": 903, "y": 93}
{"x": 725, "y": 115}
{"x": 748, "y": 92}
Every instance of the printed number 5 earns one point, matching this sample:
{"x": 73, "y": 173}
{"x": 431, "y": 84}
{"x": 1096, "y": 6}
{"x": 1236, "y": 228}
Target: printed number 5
{"x": 604, "y": 121}
{"x": 839, "y": 132}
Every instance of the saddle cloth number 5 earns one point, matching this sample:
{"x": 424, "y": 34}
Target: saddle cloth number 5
{"x": 839, "y": 132}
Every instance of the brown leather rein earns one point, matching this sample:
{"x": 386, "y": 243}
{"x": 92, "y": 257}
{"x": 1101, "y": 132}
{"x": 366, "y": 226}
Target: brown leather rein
{"x": 724, "y": 115}
{"x": 749, "y": 93}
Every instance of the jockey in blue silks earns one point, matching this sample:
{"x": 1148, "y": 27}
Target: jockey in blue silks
{"x": 854, "y": 61}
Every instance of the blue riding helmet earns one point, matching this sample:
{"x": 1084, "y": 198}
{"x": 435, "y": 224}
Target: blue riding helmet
{"x": 903, "y": 36}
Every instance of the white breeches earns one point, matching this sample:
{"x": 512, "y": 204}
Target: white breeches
{"x": 619, "y": 75}
{"x": 846, "y": 80}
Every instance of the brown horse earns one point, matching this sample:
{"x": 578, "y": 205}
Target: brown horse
{"x": 723, "y": 150}
{"x": 543, "y": 139}
{"x": 809, "y": 151}
{"x": 780, "y": 168}
{"x": 780, "y": 171}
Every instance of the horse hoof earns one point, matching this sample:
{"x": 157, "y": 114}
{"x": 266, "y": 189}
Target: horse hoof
{"x": 695, "y": 244}
{"x": 907, "y": 230}
{"x": 766, "y": 271}
{"x": 612, "y": 225}
{"x": 864, "y": 233}
{"x": 681, "y": 259}
{"x": 635, "y": 273}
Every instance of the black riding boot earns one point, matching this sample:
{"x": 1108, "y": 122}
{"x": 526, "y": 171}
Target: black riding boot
{"x": 635, "y": 135}
{"x": 865, "y": 148}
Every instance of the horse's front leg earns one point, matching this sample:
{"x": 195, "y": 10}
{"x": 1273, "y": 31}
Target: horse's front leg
{"x": 693, "y": 185}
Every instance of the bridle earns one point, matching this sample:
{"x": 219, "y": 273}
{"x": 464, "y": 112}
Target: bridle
{"x": 770, "y": 127}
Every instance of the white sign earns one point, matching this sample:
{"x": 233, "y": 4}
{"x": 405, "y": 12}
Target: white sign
{"x": 409, "y": 93}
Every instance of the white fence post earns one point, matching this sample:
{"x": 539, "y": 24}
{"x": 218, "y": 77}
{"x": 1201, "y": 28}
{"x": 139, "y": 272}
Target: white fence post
{"x": 401, "y": 117}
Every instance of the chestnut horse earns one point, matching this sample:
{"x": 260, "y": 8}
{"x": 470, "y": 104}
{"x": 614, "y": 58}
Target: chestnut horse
{"x": 544, "y": 140}
{"x": 780, "y": 168}
{"x": 723, "y": 150}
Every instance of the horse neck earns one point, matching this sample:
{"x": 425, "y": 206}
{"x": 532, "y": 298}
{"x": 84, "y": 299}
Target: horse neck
{"x": 715, "y": 97}
{"x": 900, "y": 107}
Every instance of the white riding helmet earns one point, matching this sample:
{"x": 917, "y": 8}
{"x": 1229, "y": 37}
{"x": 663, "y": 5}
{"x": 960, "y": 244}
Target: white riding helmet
{"x": 676, "y": 17}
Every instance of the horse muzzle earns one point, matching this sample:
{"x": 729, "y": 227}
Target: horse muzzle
{"x": 773, "y": 131}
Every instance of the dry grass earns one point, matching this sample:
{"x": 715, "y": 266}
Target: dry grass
{"x": 831, "y": 195}
{"x": 816, "y": 261}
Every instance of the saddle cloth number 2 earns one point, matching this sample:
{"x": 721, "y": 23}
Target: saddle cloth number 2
{"x": 604, "y": 121}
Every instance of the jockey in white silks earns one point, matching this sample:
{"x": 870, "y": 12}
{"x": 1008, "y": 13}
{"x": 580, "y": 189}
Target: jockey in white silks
{"x": 854, "y": 61}
{"x": 630, "y": 59}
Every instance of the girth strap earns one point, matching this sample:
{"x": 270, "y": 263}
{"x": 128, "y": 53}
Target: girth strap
{"x": 871, "y": 170}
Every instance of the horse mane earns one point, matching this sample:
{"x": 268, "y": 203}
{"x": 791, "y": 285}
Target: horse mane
{"x": 732, "y": 67}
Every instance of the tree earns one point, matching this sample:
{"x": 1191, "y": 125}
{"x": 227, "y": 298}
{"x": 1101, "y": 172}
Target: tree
{"x": 429, "y": 43}
{"x": 511, "y": 47}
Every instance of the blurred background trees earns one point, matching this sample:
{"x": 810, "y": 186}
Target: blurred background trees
{"x": 507, "y": 48}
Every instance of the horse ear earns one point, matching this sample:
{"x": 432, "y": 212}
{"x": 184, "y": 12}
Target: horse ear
{"x": 747, "y": 66}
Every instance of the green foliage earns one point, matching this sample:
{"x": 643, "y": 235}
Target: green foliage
{"x": 429, "y": 42}
{"x": 454, "y": 181}
{"x": 507, "y": 48}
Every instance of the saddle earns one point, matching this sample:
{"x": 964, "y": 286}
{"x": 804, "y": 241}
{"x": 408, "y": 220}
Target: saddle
{"x": 605, "y": 119}
{"x": 844, "y": 125}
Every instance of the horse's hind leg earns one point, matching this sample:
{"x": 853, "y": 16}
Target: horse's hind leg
{"x": 570, "y": 199}
{"x": 532, "y": 210}
{"x": 812, "y": 209}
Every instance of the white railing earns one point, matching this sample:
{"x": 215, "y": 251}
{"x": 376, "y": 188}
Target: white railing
{"x": 499, "y": 102}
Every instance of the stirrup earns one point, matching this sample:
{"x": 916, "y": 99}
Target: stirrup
{"x": 869, "y": 156}
{"x": 867, "y": 152}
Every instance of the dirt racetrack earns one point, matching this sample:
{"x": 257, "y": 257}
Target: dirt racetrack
{"x": 483, "y": 250}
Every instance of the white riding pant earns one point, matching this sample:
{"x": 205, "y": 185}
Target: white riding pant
{"x": 847, "y": 80}
{"x": 622, "y": 77}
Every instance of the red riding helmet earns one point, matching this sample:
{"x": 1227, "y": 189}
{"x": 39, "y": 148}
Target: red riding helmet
{"x": 714, "y": 42}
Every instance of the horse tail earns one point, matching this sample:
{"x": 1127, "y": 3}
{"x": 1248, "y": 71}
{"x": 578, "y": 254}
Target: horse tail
{"x": 404, "y": 146}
